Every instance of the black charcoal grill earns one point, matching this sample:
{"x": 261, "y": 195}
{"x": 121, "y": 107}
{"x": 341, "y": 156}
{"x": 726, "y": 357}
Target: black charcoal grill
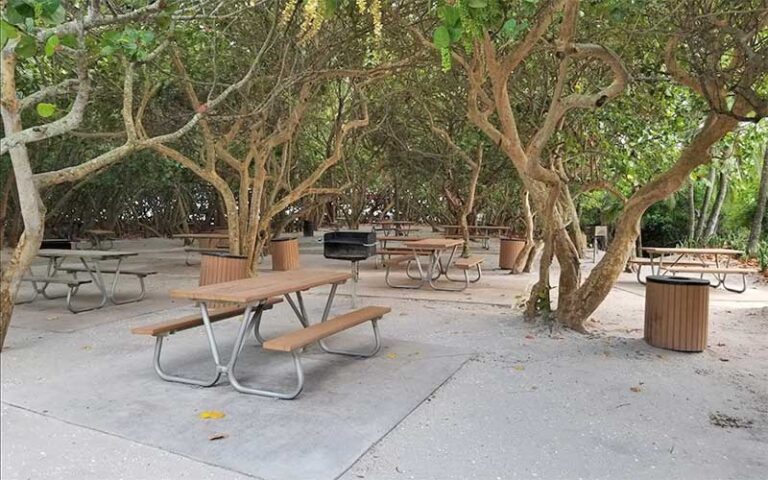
{"x": 353, "y": 247}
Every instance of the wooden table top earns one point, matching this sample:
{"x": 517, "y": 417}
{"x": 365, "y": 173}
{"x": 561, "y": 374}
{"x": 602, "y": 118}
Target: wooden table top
{"x": 390, "y": 238}
{"x": 201, "y": 235}
{"x": 55, "y": 252}
{"x": 695, "y": 251}
{"x": 479, "y": 227}
{"x": 266, "y": 285}
{"x": 434, "y": 243}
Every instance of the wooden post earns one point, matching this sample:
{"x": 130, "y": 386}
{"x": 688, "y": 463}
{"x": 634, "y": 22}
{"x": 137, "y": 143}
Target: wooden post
{"x": 677, "y": 313}
{"x": 285, "y": 254}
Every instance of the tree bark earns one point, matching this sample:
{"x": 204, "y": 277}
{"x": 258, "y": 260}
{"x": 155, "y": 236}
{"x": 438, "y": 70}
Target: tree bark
{"x": 691, "y": 211}
{"x": 762, "y": 201}
{"x": 714, "y": 216}
{"x": 705, "y": 204}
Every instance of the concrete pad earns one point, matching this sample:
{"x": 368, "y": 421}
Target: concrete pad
{"x": 37, "y": 446}
{"x": 347, "y": 405}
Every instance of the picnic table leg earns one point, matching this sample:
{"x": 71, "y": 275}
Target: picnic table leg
{"x": 98, "y": 279}
{"x": 229, "y": 369}
{"x": 54, "y": 264}
{"x": 137, "y": 298}
{"x": 445, "y": 272}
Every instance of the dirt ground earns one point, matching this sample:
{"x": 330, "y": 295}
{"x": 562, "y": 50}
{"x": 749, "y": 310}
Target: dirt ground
{"x": 519, "y": 400}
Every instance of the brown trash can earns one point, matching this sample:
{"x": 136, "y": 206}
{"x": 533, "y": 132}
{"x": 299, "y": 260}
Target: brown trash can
{"x": 285, "y": 253}
{"x": 676, "y": 313}
{"x": 222, "y": 267}
{"x": 510, "y": 249}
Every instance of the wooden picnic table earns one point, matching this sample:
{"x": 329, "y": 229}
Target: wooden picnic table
{"x": 399, "y": 227}
{"x": 255, "y": 293}
{"x": 91, "y": 264}
{"x": 97, "y": 237}
{"x": 719, "y": 271}
{"x": 434, "y": 248}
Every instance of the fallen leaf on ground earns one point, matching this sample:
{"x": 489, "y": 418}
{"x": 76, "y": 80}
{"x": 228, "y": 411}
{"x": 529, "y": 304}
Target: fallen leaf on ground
{"x": 636, "y": 389}
{"x": 87, "y": 347}
{"x": 391, "y": 355}
{"x": 519, "y": 368}
{"x": 720, "y": 344}
{"x": 530, "y": 337}
{"x": 211, "y": 414}
{"x": 724, "y": 360}
{"x": 218, "y": 436}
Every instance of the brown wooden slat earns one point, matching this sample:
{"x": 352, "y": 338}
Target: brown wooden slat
{"x": 676, "y": 316}
{"x": 266, "y": 285}
{"x": 285, "y": 254}
{"x": 710, "y": 270}
{"x": 194, "y": 320}
{"x": 301, "y": 338}
{"x": 466, "y": 263}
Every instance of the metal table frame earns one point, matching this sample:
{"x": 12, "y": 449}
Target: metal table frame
{"x": 251, "y": 318}
{"x": 658, "y": 254}
{"x": 435, "y": 269}
{"x": 93, "y": 269}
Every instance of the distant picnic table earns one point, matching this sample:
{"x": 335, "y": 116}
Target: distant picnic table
{"x": 396, "y": 227}
{"x": 433, "y": 248}
{"x": 706, "y": 261}
{"x": 206, "y": 243}
{"x": 482, "y": 233}
{"x": 100, "y": 237}
{"x": 90, "y": 264}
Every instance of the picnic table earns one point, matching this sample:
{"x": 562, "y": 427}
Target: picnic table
{"x": 482, "y": 233}
{"x": 713, "y": 261}
{"x": 253, "y": 296}
{"x": 207, "y": 243}
{"x": 398, "y": 227}
{"x": 99, "y": 237}
{"x": 56, "y": 273}
{"x": 434, "y": 248}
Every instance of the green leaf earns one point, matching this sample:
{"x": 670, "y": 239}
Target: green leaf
{"x": 45, "y": 110}
{"x": 449, "y": 15}
{"x": 58, "y": 16}
{"x": 330, "y": 7}
{"x": 51, "y": 44}
{"x": 7, "y": 32}
{"x": 26, "y": 47}
{"x": 69, "y": 40}
{"x": 455, "y": 33}
{"x": 478, "y": 3}
{"x": 510, "y": 28}
{"x": 442, "y": 37}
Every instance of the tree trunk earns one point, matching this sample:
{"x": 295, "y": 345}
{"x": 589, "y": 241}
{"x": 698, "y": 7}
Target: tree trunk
{"x": 762, "y": 200}
{"x": 705, "y": 205}
{"x": 30, "y": 204}
{"x": 4, "y": 199}
{"x": 573, "y": 310}
{"x": 523, "y": 260}
{"x": 691, "y": 211}
{"x": 714, "y": 217}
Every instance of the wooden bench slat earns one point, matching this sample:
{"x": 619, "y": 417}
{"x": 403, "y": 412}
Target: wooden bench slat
{"x": 392, "y": 261}
{"x": 471, "y": 237}
{"x": 194, "y": 320}
{"x": 143, "y": 273}
{"x": 301, "y": 338}
{"x": 712, "y": 270}
{"x": 647, "y": 261}
{"x": 57, "y": 280}
{"x": 467, "y": 263}
{"x": 206, "y": 250}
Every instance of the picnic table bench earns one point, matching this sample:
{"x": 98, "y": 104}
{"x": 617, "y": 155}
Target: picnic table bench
{"x": 433, "y": 249}
{"x": 91, "y": 261}
{"x": 701, "y": 264}
{"x": 252, "y": 297}
{"x": 100, "y": 237}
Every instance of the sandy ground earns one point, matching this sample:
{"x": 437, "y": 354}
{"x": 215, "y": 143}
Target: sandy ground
{"x": 527, "y": 401}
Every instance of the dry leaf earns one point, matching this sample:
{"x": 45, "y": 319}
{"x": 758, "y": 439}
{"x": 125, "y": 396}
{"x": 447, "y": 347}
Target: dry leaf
{"x": 636, "y": 389}
{"x": 529, "y": 337}
{"x": 519, "y": 368}
{"x": 218, "y": 436}
{"x": 391, "y": 355}
{"x": 211, "y": 414}
{"x": 87, "y": 347}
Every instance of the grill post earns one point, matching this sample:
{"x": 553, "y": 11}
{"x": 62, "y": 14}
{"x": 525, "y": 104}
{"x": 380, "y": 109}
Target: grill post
{"x": 355, "y": 277}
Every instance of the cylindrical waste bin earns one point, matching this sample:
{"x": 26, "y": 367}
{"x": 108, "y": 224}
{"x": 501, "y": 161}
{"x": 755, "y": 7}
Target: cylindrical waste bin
{"x": 285, "y": 253}
{"x": 676, "y": 313}
{"x": 221, "y": 267}
{"x": 309, "y": 228}
{"x": 510, "y": 249}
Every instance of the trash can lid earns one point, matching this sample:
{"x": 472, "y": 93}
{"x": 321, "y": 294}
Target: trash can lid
{"x": 284, "y": 238}
{"x": 676, "y": 280}
{"x": 223, "y": 254}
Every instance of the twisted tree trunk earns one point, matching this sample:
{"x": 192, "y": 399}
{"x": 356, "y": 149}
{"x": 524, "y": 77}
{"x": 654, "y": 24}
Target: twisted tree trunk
{"x": 762, "y": 200}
